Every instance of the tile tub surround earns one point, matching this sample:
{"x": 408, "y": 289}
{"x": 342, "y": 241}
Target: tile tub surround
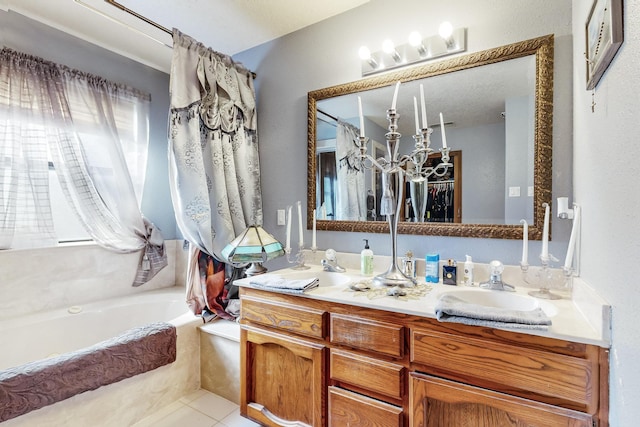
{"x": 33, "y": 280}
{"x": 582, "y": 315}
{"x": 220, "y": 358}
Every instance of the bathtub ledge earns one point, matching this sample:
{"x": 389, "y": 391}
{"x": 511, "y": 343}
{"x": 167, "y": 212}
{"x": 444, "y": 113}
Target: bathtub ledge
{"x": 223, "y": 328}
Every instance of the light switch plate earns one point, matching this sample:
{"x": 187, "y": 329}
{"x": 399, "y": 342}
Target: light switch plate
{"x": 281, "y": 217}
{"x": 514, "y": 191}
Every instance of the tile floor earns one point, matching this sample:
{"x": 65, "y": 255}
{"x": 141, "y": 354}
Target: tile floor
{"x": 199, "y": 409}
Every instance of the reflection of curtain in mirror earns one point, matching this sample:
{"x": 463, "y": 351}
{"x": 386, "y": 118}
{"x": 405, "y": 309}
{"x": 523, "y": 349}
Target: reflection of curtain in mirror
{"x": 351, "y": 201}
{"x": 214, "y": 166}
{"x": 326, "y": 178}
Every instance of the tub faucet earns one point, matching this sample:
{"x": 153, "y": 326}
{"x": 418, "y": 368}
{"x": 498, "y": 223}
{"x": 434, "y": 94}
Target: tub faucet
{"x": 495, "y": 281}
{"x": 330, "y": 262}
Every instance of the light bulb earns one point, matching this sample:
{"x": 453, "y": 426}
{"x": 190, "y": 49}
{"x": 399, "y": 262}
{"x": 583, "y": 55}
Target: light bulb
{"x": 388, "y": 46}
{"x": 415, "y": 39}
{"x": 445, "y": 30}
{"x": 365, "y": 53}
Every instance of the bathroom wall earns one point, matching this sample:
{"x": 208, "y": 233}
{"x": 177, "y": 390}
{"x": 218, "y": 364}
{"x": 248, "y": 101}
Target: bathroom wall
{"x": 325, "y": 54}
{"x": 606, "y": 174}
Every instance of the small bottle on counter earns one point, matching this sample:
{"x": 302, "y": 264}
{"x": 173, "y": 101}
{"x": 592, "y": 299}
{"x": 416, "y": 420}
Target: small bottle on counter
{"x": 449, "y": 272}
{"x": 409, "y": 265}
{"x": 468, "y": 271}
{"x": 432, "y": 262}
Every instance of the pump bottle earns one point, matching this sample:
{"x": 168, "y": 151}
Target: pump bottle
{"x": 366, "y": 260}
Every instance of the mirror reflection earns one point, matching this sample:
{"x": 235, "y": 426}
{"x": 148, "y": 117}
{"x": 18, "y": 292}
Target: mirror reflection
{"x": 493, "y": 109}
{"x": 489, "y": 113}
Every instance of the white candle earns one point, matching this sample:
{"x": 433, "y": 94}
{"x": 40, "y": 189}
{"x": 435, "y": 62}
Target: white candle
{"x": 313, "y": 236}
{"x": 444, "y": 136}
{"x": 423, "y": 108}
{"x": 301, "y": 242}
{"x": 568, "y": 261}
{"x": 525, "y": 242}
{"x": 361, "y": 116}
{"x": 415, "y": 110}
{"x": 395, "y": 96}
{"x": 544, "y": 255}
{"x": 288, "y": 244}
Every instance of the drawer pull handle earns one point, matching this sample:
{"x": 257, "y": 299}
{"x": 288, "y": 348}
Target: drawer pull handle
{"x": 264, "y": 411}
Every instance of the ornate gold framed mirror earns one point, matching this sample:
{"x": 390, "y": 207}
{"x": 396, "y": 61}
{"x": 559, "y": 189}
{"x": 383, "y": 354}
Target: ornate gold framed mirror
{"x": 519, "y": 76}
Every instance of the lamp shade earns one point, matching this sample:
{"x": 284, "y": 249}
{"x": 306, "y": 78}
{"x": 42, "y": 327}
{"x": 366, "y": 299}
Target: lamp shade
{"x": 253, "y": 245}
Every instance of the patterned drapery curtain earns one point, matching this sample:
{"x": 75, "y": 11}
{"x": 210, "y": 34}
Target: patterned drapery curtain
{"x": 47, "y": 111}
{"x": 214, "y": 166}
{"x": 351, "y": 200}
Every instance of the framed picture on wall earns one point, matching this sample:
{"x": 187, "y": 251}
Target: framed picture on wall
{"x": 604, "y": 38}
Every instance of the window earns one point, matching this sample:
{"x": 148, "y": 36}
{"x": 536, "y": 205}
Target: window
{"x": 70, "y": 143}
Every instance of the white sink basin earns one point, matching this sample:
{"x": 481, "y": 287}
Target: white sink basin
{"x": 325, "y": 278}
{"x": 503, "y": 299}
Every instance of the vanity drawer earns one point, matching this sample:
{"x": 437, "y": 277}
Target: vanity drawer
{"x": 280, "y": 315}
{"x": 555, "y": 378}
{"x": 347, "y": 408}
{"x": 375, "y": 375}
{"x": 367, "y": 334}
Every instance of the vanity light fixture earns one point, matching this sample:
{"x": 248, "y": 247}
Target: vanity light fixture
{"x": 418, "y": 49}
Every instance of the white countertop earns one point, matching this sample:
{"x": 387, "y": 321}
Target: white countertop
{"x": 580, "y": 316}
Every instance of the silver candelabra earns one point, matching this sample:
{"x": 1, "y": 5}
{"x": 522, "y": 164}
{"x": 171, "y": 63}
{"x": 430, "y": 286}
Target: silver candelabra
{"x": 392, "y": 167}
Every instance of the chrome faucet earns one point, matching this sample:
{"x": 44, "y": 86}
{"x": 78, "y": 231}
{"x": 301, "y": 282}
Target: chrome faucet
{"x": 495, "y": 281}
{"x": 330, "y": 262}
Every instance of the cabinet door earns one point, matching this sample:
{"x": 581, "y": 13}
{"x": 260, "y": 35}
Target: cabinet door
{"x": 283, "y": 379}
{"x": 351, "y": 409}
{"x": 442, "y": 403}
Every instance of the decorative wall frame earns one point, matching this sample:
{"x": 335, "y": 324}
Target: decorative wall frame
{"x": 604, "y": 36}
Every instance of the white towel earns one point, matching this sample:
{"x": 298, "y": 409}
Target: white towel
{"x": 281, "y": 284}
{"x": 452, "y": 309}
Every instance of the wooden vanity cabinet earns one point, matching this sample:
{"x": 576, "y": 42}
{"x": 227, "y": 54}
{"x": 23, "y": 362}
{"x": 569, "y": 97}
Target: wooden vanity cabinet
{"x": 439, "y": 402}
{"x": 312, "y": 362}
{"x": 285, "y": 378}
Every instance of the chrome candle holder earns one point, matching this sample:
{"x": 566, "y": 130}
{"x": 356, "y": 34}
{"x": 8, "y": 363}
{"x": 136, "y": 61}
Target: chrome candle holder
{"x": 545, "y": 278}
{"x": 298, "y": 259}
{"x": 392, "y": 168}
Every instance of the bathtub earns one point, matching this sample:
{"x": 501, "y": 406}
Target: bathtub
{"x": 34, "y": 337}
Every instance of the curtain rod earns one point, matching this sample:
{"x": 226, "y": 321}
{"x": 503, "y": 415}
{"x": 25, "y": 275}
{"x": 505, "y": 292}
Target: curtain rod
{"x": 328, "y": 115}
{"x": 145, "y": 19}
{"x": 137, "y": 15}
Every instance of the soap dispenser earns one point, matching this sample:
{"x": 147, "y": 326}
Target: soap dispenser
{"x": 468, "y": 271}
{"x": 366, "y": 260}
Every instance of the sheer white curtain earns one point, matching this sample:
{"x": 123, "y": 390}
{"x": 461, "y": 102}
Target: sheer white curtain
{"x": 214, "y": 167}
{"x": 32, "y": 104}
{"x": 351, "y": 200}
{"x": 92, "y": 123}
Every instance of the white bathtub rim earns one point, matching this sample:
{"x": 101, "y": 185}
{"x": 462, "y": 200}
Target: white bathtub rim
{"x": 175, "y": 293}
